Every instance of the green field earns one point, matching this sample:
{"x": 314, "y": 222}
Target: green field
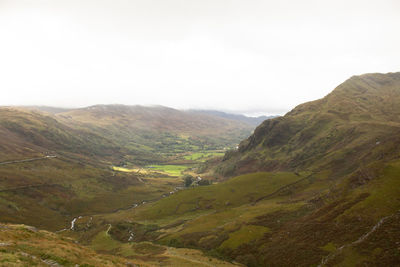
{"x": 174, "y": 170}
{"x": 203, "y": 156}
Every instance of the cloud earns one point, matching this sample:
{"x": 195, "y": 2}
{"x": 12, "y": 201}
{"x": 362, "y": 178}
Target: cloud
{"x": 228, "y": 55}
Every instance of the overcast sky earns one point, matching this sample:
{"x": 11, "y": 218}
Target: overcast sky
{"x": 255, "y": 57}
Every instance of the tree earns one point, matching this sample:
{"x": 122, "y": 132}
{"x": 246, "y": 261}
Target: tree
{"x": 188, "y": 179}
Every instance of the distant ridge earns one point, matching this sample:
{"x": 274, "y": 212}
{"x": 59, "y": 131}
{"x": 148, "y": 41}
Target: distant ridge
{"x": 254, "y": 121}
{"x": 48, "y": 109}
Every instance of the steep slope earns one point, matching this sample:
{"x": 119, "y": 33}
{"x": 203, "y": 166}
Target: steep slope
{"x": 22, "y": 245}
{"x": 27, "y": 133}
{"x": 330, "y": 196}
{"x": 51, "y": 172}
{"x": 54, "y": 168}
{"x": 358, "y": 122}
{"x": 151, "y": 134}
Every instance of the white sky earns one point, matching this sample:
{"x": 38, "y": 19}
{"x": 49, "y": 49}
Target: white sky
{"x": 244, "y": 56}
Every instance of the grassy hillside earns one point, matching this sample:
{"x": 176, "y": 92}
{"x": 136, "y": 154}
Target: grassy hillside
{"x": 278, "y": 219}
{"x": 146, "y": 131}
{"x": 22, "y": 245}
{"x": 26, "y": 133}
{"x": 52, "y": 171}
{"x": 318, "y": 186}
{"x": 255, "y": 121}
{"x": 359, "y": 122}
{"x": 330, "y": 195}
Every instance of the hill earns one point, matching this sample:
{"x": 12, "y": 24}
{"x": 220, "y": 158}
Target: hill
{"x": 254, "y": 121}
{"x": 318, "y": 186}
{"x": 54, "y": 168}
{"x": 358, "y": 122}
{"x": 22, "y": 245}
{"x": 150, "y": 131}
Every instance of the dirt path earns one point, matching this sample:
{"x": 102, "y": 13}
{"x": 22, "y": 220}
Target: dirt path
{"x": 109, "y": 228}
{"x": 332, "y": 255}
{"x": 26, "y": 160}
{"x": 282, "y": 188}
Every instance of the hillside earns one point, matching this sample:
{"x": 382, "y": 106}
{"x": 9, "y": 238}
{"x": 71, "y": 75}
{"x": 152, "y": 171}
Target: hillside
{"x": 54, "y": 168}
{"x": 22, "y": 245}
{"x": 25, "y": 133}
{"x": 358, "y": 122}
{"x": 319, "y": 186}
{"x": 148, "y": 132}
{"x": 254, "y": 121}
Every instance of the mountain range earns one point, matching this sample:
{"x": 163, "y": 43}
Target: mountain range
{"x": 317, "y": 187}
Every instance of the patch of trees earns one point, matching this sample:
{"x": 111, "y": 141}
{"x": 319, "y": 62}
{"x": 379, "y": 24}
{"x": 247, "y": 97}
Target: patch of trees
{"x": 189, "y": 180}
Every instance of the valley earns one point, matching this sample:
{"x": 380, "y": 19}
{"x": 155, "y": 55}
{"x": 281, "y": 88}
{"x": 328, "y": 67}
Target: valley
{"x": 152, "y": 186}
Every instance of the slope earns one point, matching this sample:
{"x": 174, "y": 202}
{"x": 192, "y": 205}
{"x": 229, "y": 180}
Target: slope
{"x": 329, "y": 196}
{"x": 358, "y": 122}
{"x": 158, "y": 130}
{"x": 254, "y": 121}
{"x": 54, "y": 168}
{"x": 22, "y": 245}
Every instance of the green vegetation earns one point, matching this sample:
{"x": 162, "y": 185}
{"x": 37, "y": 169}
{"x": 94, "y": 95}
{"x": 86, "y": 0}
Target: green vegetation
{"x": 174, "y": 170}
{"x": 322, "y": 177}
{"x": 203, "y": 156}
{"x": 234, "y": 192}
{"x": 341, "y": 163}
{"x": 246, "y": 234}
{"x": 188, "y": 180}
{"x": 26, "y": 246}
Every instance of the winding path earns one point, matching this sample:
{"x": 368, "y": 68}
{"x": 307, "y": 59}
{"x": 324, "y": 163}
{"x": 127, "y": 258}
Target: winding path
{"x": 26, "y": 160}
{"x": 109, "y": 228}
{"x": 332, "y": 255}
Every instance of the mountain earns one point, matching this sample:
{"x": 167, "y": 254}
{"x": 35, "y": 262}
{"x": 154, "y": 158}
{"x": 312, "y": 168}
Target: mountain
{"x": 142, "y": 134}
{"x": 48, "y": 109}
{"x": 318, "y": 186}
{"x": 358, "y": 122}
{"x": 158, "y": 129}
{"x": 55, "y": 167}
{"x": 254, "y": 121}
{"x": 27, "y": 133}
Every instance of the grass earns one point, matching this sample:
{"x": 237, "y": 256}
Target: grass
{"x": 153, "y": 254}
{"x": 202, "y": 156}
{"x": 234, "y": 192}
{"x": 26, "y": 246}
{"x": 103, "y": 241}
{"x": 246, "y": 234}
{"x": 384, "y": 194}
{"x": 74, "y": 189}
{"x": 174, "y": 170}
{"x": 330, "y": 247}
{"x": 134, "y": 170}
{"x": 263, "y": 218}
